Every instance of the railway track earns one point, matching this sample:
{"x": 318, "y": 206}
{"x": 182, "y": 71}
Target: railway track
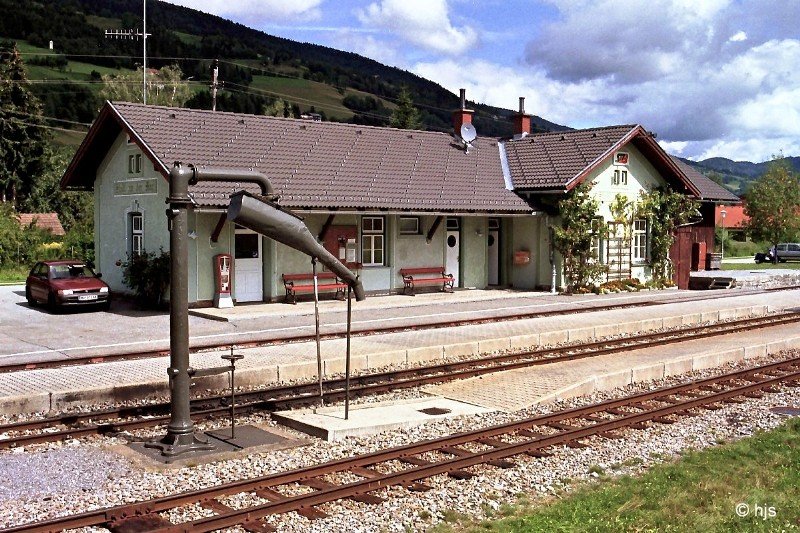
{"x": 132, "y": 418}
{"x": 410, "y": 465}
{"x": 202, "y": 346}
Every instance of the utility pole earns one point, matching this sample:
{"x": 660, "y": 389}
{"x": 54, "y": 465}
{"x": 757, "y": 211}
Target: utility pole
{"x": 214, "y": 74}
{"x": 135, "y": 34}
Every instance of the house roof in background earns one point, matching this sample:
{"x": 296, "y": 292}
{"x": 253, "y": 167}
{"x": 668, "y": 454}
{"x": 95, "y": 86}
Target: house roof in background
{"x": 45, "y": 221}
{"x": 312, "y": 165}
{"x": 709, "y": 189}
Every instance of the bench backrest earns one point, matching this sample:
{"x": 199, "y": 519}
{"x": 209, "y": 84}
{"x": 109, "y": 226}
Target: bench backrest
{"x": 422, "y": 270}
{"x": 309, "y": 276}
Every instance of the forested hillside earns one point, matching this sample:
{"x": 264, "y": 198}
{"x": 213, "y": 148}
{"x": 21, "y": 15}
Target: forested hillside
{"x": 736, "y": 175}
{"x": 256, "y": 68}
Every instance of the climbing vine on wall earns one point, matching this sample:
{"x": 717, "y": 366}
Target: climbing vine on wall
{"x": 665, "y": 210}
{"x": 574, "y": 236}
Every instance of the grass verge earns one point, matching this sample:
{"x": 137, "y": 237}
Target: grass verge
{"x": 789, "y": 265}
{"x": 13, "y": 274}
{"x": 699, "y": 492}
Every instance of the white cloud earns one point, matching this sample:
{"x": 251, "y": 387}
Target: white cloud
{"x": 738, "y": 37}
{"x": 257, "y": 10}
{"x": 424, "y": 23}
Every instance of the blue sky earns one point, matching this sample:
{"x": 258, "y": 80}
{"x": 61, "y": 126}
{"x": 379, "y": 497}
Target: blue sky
{"x": 710, "y": 77}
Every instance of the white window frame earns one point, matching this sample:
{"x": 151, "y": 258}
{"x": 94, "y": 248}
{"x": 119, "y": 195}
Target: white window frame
{"x": 409, "y": 231}
{"x": 136, "y": 233}
{"x": 134, "y": 164}
{"x": 373, "y": 240}
{"x": 639, "y": 241}
{"x": 620, "y": 177}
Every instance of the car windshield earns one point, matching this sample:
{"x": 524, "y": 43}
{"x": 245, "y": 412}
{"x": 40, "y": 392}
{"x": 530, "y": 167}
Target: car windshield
{"x": 70, "y": 271}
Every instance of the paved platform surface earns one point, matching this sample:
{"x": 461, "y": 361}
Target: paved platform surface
{"x": 749, "y": 279}
{"x": 42, "y": 390}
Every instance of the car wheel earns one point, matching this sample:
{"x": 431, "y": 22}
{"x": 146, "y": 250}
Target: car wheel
{"x": 29, "y": 297}
{"x": 51, "y": 303}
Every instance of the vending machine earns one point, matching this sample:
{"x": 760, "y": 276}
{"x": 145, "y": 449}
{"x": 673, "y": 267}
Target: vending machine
{"x": 223, "y": 264}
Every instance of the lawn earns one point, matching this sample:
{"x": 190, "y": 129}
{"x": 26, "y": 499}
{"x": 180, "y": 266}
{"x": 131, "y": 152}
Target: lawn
{"x": 13, "y": 274}
{"x": 699, "y": 492}
{"x": 752, "y": 265}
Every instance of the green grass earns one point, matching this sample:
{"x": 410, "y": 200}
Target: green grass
{"x": 699, "y": 492}
{"x": 792, "y": 265}
{"x": 13, "y": 274}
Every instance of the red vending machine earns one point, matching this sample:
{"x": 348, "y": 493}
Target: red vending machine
{"x": 223, "y": 264}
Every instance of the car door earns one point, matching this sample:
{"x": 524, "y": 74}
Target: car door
{"x": 38, "y": 282}
{"x": 793, "y": 251}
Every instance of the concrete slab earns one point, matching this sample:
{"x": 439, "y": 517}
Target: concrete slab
{"x": 328, "y": 423}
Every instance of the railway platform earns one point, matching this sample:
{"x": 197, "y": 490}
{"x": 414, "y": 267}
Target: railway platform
{"x": 51, "y": 389}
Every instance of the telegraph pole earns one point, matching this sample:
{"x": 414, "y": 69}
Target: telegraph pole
{"x": 214, "y": 85}
{"x": 135, "y": 34}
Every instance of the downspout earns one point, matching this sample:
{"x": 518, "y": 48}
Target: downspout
{"x": 552, "y": 256}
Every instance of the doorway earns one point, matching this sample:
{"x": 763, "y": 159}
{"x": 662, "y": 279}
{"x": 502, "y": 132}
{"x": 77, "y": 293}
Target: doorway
{"x": 494, "y": 251}
{"x": 453, "y": 249}
{"x": 248, "y": 278}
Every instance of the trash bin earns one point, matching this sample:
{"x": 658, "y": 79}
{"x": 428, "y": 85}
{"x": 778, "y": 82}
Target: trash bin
{"x": 713, "y": 261}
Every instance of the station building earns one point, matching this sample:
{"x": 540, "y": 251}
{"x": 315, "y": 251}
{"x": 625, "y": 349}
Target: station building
{"x": 381, "y": 199}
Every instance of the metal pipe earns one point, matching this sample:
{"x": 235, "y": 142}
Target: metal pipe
{"x": 347, "y": 355}
{"x": 316, "y": 323}
{"x": 233, "y": 175}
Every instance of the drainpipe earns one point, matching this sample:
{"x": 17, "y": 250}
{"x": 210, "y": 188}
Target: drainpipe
{"x": 552, "y": 257}
{"x": 181, "y": 437}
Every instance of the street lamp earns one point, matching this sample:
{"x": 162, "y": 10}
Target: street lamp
{"x": 723, "y": 213}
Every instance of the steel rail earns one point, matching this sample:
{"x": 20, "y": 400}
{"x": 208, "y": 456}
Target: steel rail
{"x": 446, "y": 445}
{"x": 293, "y": 395}
{"x": 202, "y": 346}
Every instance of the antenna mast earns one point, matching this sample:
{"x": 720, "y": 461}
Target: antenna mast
{"x": 135, "y": 34}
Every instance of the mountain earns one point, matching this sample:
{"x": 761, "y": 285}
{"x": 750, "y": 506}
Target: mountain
{"x": 256, "y": 68}
{"x": 736, "y": 175}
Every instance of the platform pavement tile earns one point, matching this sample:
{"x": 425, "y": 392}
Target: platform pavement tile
{"x": 776, "y": 346}
{"x": 677, "y": 321}
{"x": 703, "y": 361}
{"x": 647, "y": 372}
{"x": 727, "y": 314}
{"x": 754, "y": 352}
{"x": 302, "y": 370}
{"x": 460, "y": 349}
{"x": 677, "y": 366}
{"x": 612, "y": 380}
{"x": 381, "y": 359}
{"x": 793, "y": 343}
{"x": 553, "y": 337}
{"x": 649, "y": 324}
{"x": 17, "y": 404}
{"x": 689, "y": 319}
{"x": 337, "y": 365}
{"x": 255, "y": 377}
{"x": 729, "y": 356}
{"x": 494, "y": 345}
{"x": 426, "y": 353}
{"x": 580, "y": 334}
{"x": 523, "y": 342}
{"x": 608, "y": 330}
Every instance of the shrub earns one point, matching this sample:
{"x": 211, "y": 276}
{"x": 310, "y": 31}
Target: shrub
{"x": 147, "y": 274}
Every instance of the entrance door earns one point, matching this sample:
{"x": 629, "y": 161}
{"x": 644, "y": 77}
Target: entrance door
{"x": 494, "y": 251}
{"x": 453, "y": 246}
{"x": 247, "y": 266}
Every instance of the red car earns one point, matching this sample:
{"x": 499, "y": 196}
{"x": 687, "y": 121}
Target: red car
{"x": 65, "y": 283}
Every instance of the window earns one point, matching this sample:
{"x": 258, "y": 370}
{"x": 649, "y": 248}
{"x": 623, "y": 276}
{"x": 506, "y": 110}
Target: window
{"x": 136, "y": 225}
{"x": 453, "y": 224}
{"x": 134, "y": 163}
{"x": 409, "y": 226}
{"x": 620, "y": 177}
{"x": 639, "y": 240}
{"x": 595, "y": 252}
{"x": 494, "y": 223}
{"x": 372, "y": 241}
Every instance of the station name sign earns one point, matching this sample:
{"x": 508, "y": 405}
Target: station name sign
{"x": 130, "y": 187}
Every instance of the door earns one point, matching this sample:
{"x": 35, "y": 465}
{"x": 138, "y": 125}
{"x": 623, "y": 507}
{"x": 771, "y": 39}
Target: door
{"x": 453, "y": 245}
{"x": 494, "y": 251}
{"x": 247, "y": 267}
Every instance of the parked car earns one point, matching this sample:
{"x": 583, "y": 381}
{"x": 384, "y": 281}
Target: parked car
{"x": 786, "y": 251}
{"x": 65, "y": 284}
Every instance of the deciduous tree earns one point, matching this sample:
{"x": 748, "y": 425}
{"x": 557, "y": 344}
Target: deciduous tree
{"x": 165, "y": 87}
{"x": 773, "y": 204}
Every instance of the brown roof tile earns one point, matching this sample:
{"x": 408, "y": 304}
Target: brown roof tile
{"x": 709, "y": 190}
{"x": 45, "y": 221}
{"x": 326, "y": 164}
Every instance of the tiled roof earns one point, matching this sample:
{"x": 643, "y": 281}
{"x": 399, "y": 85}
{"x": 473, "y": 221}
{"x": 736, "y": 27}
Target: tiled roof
{"x": 709, "y": 189}
{"x": 45, "y": 221}
{"x": 553, "y": 161}
{"x": 326, "y": 164}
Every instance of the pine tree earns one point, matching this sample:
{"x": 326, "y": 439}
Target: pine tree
{"x": 406, "y": 116}
{"x": 23, "y": 139}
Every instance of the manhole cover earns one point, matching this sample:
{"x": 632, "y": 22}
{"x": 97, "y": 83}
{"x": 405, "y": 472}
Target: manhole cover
{"x": 434, "y": 411}
{"x": 787, "y": 411}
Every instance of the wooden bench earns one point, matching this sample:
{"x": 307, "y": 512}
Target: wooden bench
{"x": 326, "y": 281}
{"x": 426, "y": 276}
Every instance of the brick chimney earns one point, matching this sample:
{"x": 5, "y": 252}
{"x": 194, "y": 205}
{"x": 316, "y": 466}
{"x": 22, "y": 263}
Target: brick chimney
{"x": 522, "y": 122}
{"x": 463, "y": 115}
